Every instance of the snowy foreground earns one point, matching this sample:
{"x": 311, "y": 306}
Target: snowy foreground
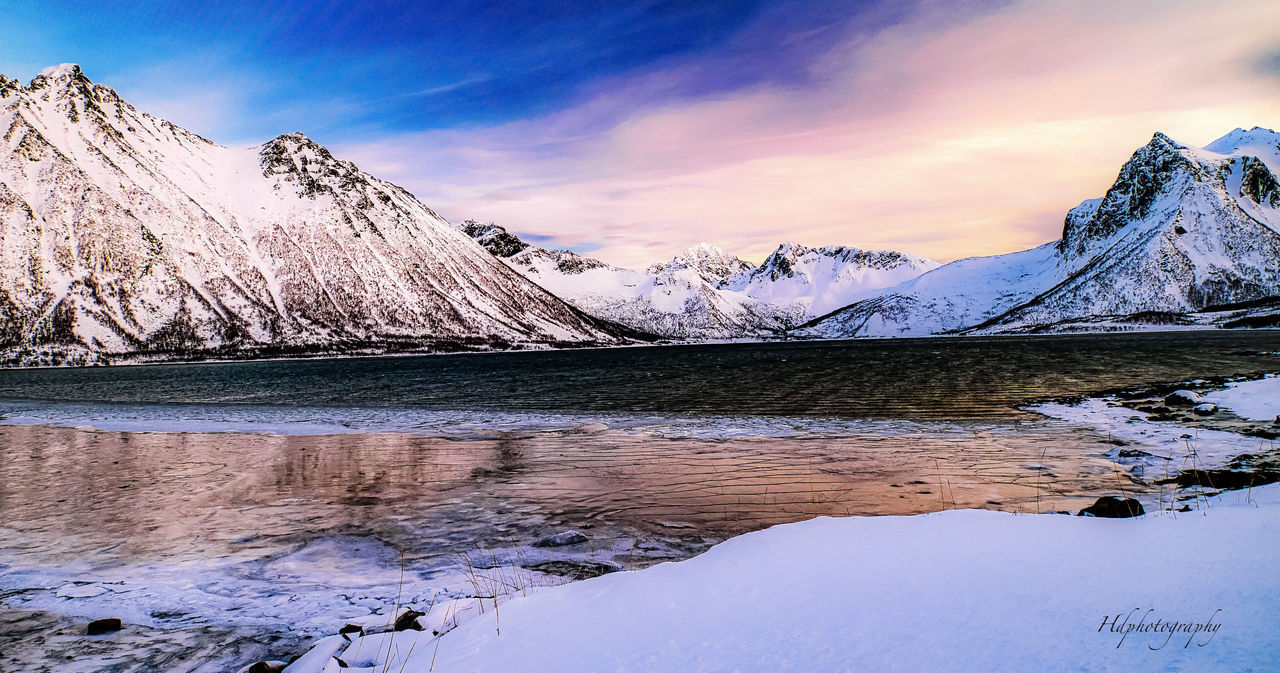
{"x": 965, "y": 590}
{"x": 1257, "y": 400}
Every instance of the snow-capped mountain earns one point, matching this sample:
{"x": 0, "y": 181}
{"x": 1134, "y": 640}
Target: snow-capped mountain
{"x": 1183, "y": 236}
{"x": 125, "y": 234}
{"x": 807, "y": 282}
{"x": 705, "y": 293}
{"x": 712, "y": 264}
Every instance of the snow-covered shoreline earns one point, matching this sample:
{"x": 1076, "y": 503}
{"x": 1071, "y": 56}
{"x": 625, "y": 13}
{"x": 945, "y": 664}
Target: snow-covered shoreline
{"x": 954, "y": 590}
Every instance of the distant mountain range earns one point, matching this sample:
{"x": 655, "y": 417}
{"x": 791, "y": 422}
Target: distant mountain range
{"x": 705, "y": 293}
{"x": 127, "y": 238}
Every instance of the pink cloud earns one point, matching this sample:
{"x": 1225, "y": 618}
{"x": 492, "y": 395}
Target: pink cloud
{"x": 940, "y": 136}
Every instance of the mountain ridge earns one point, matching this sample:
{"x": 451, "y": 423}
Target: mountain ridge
{"x": 126, "y": 236}
{"x": 704, "y": 292}
{"x": 1180, "y": 231}
{"x": 129, "y": 238}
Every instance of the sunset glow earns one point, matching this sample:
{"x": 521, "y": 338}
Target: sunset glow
{"x": 945, "y": 130}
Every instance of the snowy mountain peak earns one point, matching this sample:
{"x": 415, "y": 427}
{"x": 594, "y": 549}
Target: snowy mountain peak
{"x": 296, "y": 159}
{"x": 1180, "y": 232}
{"x": 780, "y": 262}
{"x": 61, "y": 70}
{"x": 1238, "y": 139}
{"x": 66, "y": 76}
{"x": 712, "y": 263}
{"x": 1157, "y": 179}
{"x": 705, "y": 292}
{"x": 791, "y": 258}
{"x": 703, "y": 251}
{"x": 1132, "y": 196}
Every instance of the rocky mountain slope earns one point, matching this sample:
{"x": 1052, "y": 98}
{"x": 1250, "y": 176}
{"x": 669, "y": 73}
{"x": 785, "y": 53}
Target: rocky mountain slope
{"x": 125, "y": 236}
{"x": 705, "y": 293}
{"x": 1183, "y": 236}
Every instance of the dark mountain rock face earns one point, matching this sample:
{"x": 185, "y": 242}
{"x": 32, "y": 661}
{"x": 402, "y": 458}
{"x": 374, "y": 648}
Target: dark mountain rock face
{"x": 494, "y": 238}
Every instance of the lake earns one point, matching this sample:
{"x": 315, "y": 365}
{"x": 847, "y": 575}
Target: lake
{"x": 300, "y": 492}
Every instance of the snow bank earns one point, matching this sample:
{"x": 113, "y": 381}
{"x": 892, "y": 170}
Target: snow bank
{"x": 958, "y": 590}
{"x": 1255, "y": 400}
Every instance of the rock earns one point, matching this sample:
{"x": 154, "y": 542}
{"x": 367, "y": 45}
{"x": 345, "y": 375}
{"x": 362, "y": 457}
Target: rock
{"x": 373, "y": 624}
{"x": 1111, "y": 507}
{"x": 1205, "y": 409}
{"x": 561, "y": 539}
{"x": 101, "y": 626}
{"x": 1137, "y": 453}
{"x": 1223, "y": 479}
{"x": 575, "y": 570}
{"x": 408, "y": 621}
{"x": 351, "y": 628}
{"x": 1183, "y": 398}
{"x": 267, "y": 667}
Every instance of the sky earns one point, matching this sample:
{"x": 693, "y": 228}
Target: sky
{"x": 630, "y": 131}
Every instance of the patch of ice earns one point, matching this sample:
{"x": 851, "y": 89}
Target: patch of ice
{"x": 1172, "y": 446}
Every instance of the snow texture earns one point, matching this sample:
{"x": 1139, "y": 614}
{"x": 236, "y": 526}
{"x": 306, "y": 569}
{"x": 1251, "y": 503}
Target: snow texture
{"x": 993, "y": 590}
{"x": 1257, "y": 400}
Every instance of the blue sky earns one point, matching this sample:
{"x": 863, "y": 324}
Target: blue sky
{"x": 946, "y": 128}
{"x": 345, "y": 70}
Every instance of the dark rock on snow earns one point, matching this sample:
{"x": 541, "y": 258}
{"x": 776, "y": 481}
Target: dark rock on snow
{"x": 1223, "y": 479}
{"x": 1182, "y": 398}
{"x": 408, "y": 621}
{"x": 351, "y": 628}
{"x": 101, "y": 626}
{"x": 1111, "y": 507}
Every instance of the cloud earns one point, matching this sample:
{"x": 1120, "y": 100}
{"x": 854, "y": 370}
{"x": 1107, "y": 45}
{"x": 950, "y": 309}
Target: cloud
{"x": 947, "y": 134}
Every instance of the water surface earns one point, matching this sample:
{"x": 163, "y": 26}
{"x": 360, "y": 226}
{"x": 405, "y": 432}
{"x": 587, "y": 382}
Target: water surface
{"x": 312, "y": 489}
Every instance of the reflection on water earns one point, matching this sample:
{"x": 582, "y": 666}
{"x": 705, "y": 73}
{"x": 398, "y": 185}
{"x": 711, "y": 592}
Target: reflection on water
{"x": 77, "y": 494}
{"x": 219, "y": 548}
